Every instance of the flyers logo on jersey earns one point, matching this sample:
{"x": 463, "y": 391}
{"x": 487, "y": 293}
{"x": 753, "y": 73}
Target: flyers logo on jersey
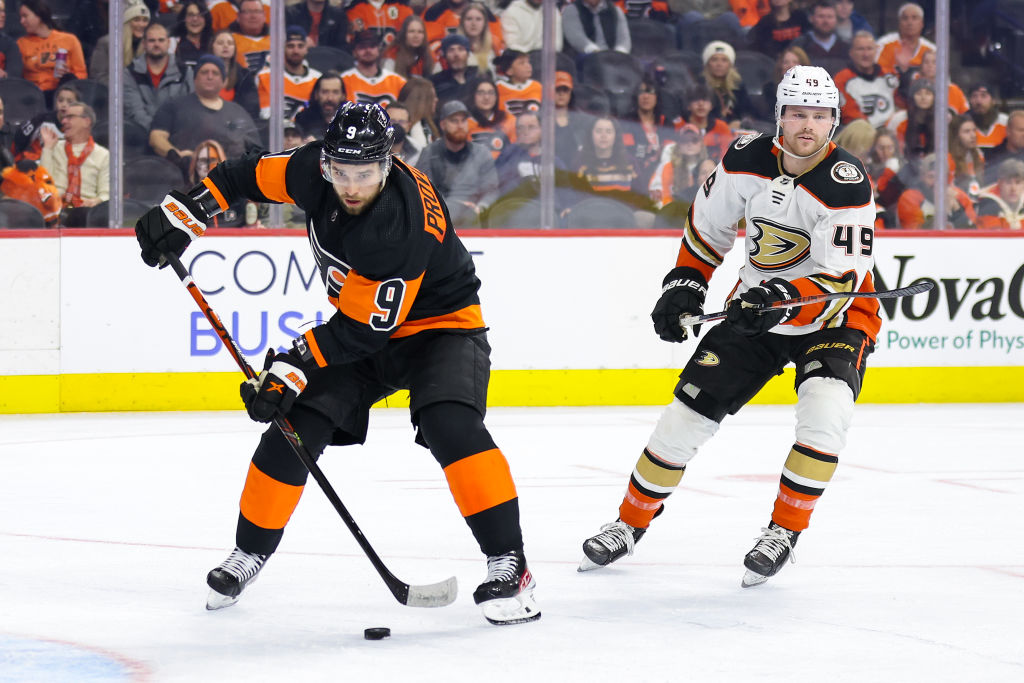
{"x": 776, "y": 247}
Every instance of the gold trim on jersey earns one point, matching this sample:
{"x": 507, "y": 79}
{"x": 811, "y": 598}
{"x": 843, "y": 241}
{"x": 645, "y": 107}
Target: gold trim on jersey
{"x": 832, "y": 312}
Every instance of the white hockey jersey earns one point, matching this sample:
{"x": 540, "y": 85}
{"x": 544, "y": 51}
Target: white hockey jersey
{"x": 815, "y": 230}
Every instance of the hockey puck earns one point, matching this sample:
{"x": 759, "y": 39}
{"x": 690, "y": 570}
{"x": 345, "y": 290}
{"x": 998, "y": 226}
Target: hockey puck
{"x": 377, "y": 633}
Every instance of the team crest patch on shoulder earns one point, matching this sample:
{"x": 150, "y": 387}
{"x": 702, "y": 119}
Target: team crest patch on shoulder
{"x": 745, "y": 140}
{"x": 845, "y": 172}
{"x": 708, "y": 359}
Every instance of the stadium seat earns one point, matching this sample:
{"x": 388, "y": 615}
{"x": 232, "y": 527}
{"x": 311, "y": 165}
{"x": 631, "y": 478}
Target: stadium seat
{"x": 671, "y": 216}
{"x": 22, "y": 100}
{"x": 563, "y": 62}
{"x": 514, "y": 212}
{"x": 681, "y": 70}
{"x": 650, "y": 38}
{"x": 94, "y": 94}
{"x": 833, "y": 65}
{"x": 325, "y": 58}
{"x": 755, "y": 68}
{"x": 131, "y": 211}
{"x": 15, "y": 213}
{"x": 600, "y": 213}
{"x": 148, "y": 179}
{"x": 591, "y": 100}
{"x": 614, "y": 72}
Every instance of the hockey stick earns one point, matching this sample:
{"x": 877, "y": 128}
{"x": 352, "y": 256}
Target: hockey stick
{"x": 688, "y": 320}
{"x": 432, "y": 595}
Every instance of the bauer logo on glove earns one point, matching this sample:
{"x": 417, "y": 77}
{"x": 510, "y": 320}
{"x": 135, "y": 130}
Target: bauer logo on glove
{"x": 181, "y": 218}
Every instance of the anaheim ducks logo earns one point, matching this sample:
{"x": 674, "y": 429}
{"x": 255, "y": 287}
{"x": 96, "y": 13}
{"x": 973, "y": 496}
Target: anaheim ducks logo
{"x": 845, "y": 172}
{"x": 708, "y": 359}
{"x": 775, "y": 246}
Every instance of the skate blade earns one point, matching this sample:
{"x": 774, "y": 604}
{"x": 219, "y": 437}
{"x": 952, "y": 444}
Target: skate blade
{"x": 217, "y": 600}
{"x": 751, "y": 579}
{"x": 507, "y": 611}
{"x": 586, "y": 565}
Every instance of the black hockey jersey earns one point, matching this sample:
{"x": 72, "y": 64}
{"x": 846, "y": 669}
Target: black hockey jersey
{"x": 393, "y": 271}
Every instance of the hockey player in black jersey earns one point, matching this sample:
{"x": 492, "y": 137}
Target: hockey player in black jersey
{"x": 809, "y": 215}
{"x": 408, "y": 317}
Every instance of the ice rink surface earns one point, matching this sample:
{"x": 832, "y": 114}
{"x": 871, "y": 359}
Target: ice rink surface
{"x": 912, "y": 570}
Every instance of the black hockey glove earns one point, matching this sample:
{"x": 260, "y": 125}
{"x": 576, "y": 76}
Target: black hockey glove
{"x": 169, "y": 227}
{"x": 752, "y": 322}
{"x": 682, "y": 293}
{"x": 282, "y": 380}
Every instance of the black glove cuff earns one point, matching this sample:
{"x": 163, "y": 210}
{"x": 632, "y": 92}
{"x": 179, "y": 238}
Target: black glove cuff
{"x": 684, "y": 276}
{"x": 205, "y": 203}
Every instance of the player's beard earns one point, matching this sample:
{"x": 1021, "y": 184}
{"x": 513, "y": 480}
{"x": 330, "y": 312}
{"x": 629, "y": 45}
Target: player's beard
{"x": 364, "y": 203}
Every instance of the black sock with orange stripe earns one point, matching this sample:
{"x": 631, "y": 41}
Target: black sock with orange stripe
{"x": 477, "y": 472}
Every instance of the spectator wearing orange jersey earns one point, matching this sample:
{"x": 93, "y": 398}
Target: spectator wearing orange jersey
{"x": 299, "y": 76}
{"x": 410, "y": 54}
{"x": 916, "y": 207}
{"x": 368, "y": 81}
{"x": 990, "y": 121}
{"x": 384, "y": 17}
{"x": 914, "y": 126}
{"x": 223, "y": 13}
{"x": 489, "y": 125}
{"x": 749, "y": 12}
{"x": 324, "y": 24}
{"x": 252, "y": 35}
{"x": 40, "y": 46}
{"x": 1001, "y": 206}
{"x": 517, "y": 91}
{"x": 904, "y": 48}
{"x": 865, "y": 91}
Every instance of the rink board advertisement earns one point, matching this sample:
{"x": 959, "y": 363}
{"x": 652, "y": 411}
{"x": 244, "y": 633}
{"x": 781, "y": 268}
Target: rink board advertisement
{"x": 87, "y": 326}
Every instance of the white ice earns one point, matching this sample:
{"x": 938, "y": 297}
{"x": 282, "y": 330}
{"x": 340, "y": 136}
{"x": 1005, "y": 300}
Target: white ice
{"x": 912, "y": 570}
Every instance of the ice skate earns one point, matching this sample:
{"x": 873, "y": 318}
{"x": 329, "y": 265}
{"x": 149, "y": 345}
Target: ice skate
{"x": 614, "y": 541}
{"x": 506, "y": 595}
{"x": 227, "y": 581}
{"x": 773, "y": 548}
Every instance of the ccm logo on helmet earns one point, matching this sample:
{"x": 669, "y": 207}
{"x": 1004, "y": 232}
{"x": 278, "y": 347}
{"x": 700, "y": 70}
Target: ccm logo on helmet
{"x": 185, "y": 219}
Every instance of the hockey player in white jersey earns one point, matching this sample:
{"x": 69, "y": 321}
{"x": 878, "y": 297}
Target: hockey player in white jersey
{"x": 809, "y": 215}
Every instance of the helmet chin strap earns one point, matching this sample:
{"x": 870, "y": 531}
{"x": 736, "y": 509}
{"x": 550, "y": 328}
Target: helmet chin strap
{"x": 775, "y": 141}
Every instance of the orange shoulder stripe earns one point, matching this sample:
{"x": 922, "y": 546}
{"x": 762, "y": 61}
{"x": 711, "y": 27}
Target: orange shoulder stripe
{"x": 270, "y": 178}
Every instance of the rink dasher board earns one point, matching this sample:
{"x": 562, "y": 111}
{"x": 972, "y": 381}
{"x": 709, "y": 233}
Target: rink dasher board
{"x": 85, "y": 326}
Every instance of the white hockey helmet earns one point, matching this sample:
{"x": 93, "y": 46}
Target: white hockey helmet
{"x": 808, "y": 86}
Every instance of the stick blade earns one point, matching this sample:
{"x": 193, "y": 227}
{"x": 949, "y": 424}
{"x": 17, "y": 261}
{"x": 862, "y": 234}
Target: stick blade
{"x": 433, "y": 595}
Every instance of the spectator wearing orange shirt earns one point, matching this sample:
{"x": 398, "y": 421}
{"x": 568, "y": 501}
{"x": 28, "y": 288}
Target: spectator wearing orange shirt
{"x": 252, "y": 36}
{"x": 905, "y": 47}
{"x": 368, "y": 81}
{"x": 40, "y": 46}
{"x": 1001, "y": 206}
{"x": 489, "y": 125}
{"x": 385, "y": 18}
{"x": 517, "y": 91}
{"x": 299, "y": 76}
{"x": 990, "y": 121}
{"x": 717, "y": 134}
{"x": 749, "y": 12}
{"x": 916, "y": 207}
{"x": 955, "y": 97}
{"x": 223, "y": 13}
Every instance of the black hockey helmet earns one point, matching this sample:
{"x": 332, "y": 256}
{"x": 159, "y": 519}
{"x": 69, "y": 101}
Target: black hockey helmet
{"x": 359, "y": 133}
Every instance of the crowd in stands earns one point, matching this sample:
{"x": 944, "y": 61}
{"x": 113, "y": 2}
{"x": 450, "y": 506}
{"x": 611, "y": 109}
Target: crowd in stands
{"x": 648, "y": 96}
